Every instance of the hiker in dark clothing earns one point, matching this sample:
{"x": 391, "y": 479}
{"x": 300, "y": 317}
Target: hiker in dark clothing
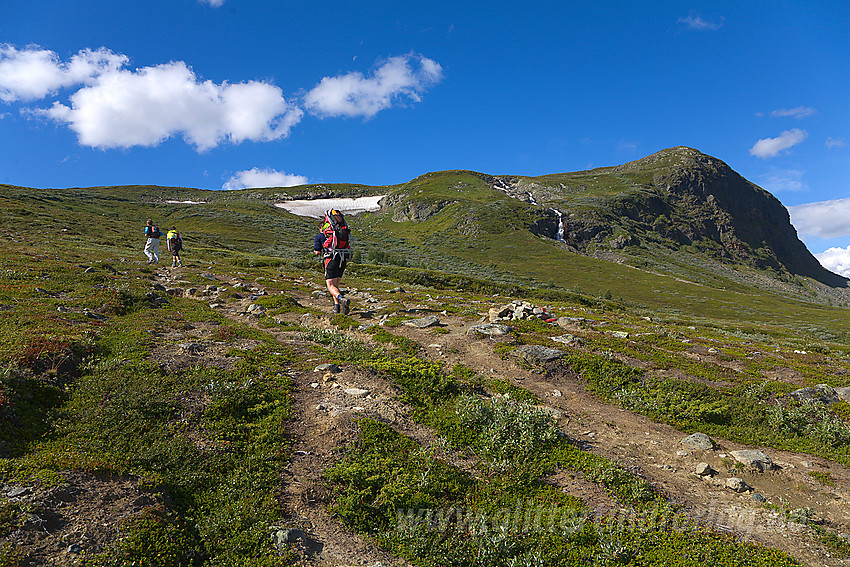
{"x": 175, "y": 245}
{"x": 335, "y": 263}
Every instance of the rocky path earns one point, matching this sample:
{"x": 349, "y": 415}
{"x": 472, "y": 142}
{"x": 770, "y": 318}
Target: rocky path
{"x": 326, "y": 401}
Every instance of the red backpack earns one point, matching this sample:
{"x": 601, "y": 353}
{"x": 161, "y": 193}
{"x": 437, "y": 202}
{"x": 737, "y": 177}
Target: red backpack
{"x": 337, "y": 233}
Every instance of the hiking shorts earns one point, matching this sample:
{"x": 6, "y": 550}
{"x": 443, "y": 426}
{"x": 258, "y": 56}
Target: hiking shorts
{"x": 334, "y": 267}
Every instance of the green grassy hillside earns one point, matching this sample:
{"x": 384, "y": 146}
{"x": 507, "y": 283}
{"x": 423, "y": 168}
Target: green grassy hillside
{"x": 204, "y": 433}
{"x": 660, "y": 233}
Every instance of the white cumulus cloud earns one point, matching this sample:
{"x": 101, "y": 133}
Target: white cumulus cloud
{"x": 255, "y": 177}
{"x": 402, "y": 78}
{"x": 122, "y": 109}
{"x": 834, "y": 143}
{"x": 798, "y": 112}
{"x": 112, "y": 106}
{"x": 824, "y": 219}
{"x": 771, "y": 147}
{"x": 699, "y": 23}
{"x": 33, "y": 73}
{"x": 836, "y": 260}
{"x": 213, "y": 3}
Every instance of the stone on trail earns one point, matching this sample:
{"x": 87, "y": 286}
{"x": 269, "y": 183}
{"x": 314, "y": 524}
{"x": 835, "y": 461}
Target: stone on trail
{"x": 192, "y": 348}
{"x": 703, "y": 469}
{"x": 424, "y": 322}
{"x": 327, "y": 368}
{"x": 496, "y": 313}
{"x": 357, "y": 392}
{"x": 843, "y": 393}
{"x": 517, "y": 310}
{"x": 754, "y": 459}
{"x": 18, "y": 491}
{"x": 699, "y": 441}
{"x": 281, "y": 538}
{"x": 737, "y": 485}
{"x": 569, "y": 340}
{"x": 537, "y": 354}
{"x": 568, "y": 322}
{"x": 489, "y": 329}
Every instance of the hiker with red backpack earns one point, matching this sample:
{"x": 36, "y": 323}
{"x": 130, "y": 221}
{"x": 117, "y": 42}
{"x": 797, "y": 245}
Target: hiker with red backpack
{"x": 334, "y": 246}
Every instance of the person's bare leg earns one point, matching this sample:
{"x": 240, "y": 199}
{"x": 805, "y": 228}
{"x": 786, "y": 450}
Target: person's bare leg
{"x": 333, "y": 288}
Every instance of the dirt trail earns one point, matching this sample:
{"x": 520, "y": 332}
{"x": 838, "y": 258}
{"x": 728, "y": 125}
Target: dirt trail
{"x": 323, "y": 424}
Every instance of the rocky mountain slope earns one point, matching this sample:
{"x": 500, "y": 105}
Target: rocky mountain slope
{"x": 677, "y": 211}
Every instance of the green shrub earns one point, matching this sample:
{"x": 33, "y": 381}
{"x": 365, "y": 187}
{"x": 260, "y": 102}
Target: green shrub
{"x": 508, "y": 433}
{"x": 423, "y": 383}
{"x": 822, "y": 477}
{"x": 404, "y": 346}
{"x": 514, "y": 392}
{"x": 342, "y": 347}
{"x": 386, "y": 472}
{"x": 11, "y": 555}
{"x": 154, "y": 538}
{"x": 811, "y": 419}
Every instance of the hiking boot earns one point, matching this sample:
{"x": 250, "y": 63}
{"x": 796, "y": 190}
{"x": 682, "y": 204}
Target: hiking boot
{"x": 345, "y": 302}
{"x": 336, "y": 308}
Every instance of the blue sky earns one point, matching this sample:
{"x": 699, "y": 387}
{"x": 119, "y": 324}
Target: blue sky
{"x": 224, "y": 94}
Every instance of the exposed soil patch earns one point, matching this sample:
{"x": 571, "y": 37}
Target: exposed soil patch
{"x": 79, "y": 516}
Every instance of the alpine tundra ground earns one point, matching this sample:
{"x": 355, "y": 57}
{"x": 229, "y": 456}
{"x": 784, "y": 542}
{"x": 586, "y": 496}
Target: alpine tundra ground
{"x": 219, "y": 415}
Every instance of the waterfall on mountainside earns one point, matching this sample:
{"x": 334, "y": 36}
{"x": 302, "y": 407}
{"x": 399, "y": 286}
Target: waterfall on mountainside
{"x": 559, "y": 236}
{"x": 531, "y": 199}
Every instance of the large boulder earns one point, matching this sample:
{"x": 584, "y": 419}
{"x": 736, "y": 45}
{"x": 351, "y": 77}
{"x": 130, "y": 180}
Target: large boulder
{"x": 753, "y": 459}
{"x": 489, "y": 330}
{"x": 823, "y": 393}
{"x": 517, "y": 310}
{"x": 537, "y": 354}
{"x": 737, "y": 485}
{"x": 423, "y": 322}
{"x": 570, "y": 340}
{"x": 699, "y": 441}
